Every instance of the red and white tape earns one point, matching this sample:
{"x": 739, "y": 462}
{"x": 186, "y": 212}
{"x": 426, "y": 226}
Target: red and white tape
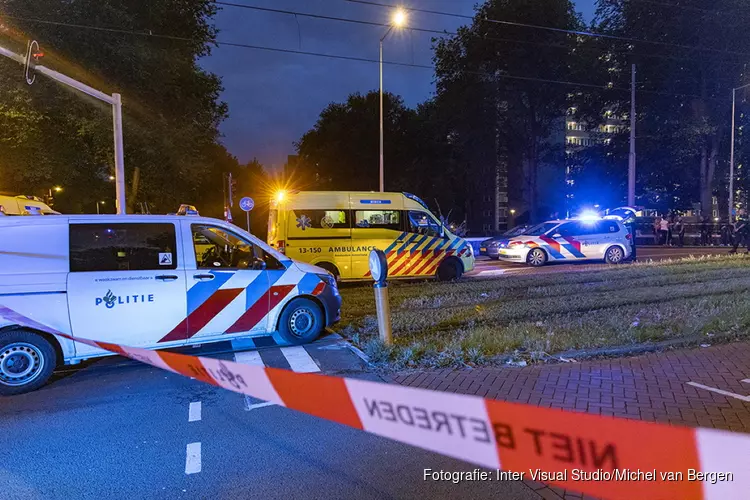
{"x": 601, "y": 456}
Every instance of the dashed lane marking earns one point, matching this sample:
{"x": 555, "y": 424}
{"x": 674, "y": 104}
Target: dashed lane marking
{"x": 251, "y": 358}
{"x": 194, "y": 412}
{"x": 299, "y": 359}
{"x": 193, "y": 458}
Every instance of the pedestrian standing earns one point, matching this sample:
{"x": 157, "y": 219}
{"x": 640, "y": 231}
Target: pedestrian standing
{"x": 664, "y": 230}
{"x": 679, "y": 230}
{"x": 741, "y": 231}
{"x": 670, "y": 227}
{"x": 704, "y": 231}
{"x": 726, "y": 235}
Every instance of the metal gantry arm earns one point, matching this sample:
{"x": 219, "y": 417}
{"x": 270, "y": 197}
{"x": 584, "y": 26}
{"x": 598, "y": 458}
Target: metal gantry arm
{"x": 114, "y": 100}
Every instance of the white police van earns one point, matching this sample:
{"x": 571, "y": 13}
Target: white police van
{"x": 145, "y": 281}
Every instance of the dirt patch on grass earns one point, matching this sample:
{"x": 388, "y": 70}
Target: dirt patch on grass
{"x": 479, "y": 322}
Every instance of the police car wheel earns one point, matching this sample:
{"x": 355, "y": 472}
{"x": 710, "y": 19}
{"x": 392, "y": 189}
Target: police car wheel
{"x": 26, "y": 361}
{"x": 536, "y": 257}
{"x": 449, "y": 270}
{"x": 614, "y": 255}
{"x": 301, "y": 322}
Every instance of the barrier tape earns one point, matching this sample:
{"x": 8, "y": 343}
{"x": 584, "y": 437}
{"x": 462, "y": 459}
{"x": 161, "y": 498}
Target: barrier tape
{"x": 601, "y": 456}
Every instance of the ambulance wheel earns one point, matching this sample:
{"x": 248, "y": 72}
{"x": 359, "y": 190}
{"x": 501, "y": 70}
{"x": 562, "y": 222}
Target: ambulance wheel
{"x": 536, "y": 257}
{"x": 301, "y": 322}
{"x": 331, "y": 268}
{"x": 26, "y": 361}
{"x": 614, "y": 255}
{"x": 449, "y": 270}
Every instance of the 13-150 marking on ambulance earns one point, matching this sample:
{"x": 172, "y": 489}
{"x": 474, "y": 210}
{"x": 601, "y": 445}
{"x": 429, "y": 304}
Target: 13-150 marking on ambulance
{"x": 338, "y": 250}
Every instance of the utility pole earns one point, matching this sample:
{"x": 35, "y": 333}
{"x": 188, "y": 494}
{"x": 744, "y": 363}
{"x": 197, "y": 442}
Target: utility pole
{"x": 631, "y": 156}
{"x": 114, "y": 100}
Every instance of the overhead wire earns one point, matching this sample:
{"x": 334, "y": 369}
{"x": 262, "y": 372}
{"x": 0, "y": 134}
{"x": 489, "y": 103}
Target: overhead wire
{"x": 551, "y": 28}
{"x": 151, "y": 34}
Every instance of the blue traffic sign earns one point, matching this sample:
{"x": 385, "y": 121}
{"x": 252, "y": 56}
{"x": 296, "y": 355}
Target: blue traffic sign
{"x": 247, "y": 204}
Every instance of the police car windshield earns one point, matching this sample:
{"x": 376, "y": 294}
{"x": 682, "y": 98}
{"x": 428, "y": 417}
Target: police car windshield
{"x": 540, "y": 229}
{"x": 518, "y": 231}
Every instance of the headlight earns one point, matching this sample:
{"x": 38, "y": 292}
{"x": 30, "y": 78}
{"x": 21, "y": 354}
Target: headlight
{"x": 328, "y": 279}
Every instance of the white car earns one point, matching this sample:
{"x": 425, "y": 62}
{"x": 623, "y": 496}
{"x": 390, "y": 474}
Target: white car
{"x": 146, "y": 281}
{"x": 570, "y": 240}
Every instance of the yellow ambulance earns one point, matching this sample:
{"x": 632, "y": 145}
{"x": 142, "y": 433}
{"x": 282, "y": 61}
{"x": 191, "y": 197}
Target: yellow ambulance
{"x": 337, "y": 230}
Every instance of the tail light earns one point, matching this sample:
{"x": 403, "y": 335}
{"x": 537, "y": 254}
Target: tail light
{"x": 281, "y": 246}
{"x": 628, "y": 236}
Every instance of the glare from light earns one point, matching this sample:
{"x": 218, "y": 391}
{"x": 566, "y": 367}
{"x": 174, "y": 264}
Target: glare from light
{"x": 512, "y": 211}
{"x": 399, "y": 18}
{"x": 111, "y": 177}
{"x": 280, "y": 196}
{"x": 589, "y": 216}
{"x": 57, "y": 189}
{"x": 101, "y": 202}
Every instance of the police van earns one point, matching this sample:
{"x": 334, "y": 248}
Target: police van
{"x": 145, "y": 281}
{"x": 24, "y": 205}
{"x": 338, "y": 230}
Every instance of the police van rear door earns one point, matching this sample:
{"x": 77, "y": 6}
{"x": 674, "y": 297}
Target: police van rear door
{"x": 127, "y": 283}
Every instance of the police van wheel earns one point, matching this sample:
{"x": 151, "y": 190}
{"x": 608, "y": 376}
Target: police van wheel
{"x": 536, "y": 257}
{"x": 301, "y": 322}
{"x": 26, "y": 361}
{"x": 614, "y": 255}
{"x": 449, "y": 270}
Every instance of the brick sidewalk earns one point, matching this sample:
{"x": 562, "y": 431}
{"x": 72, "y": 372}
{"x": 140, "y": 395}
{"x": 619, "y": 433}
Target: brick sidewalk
{"x": 649, "y": 387}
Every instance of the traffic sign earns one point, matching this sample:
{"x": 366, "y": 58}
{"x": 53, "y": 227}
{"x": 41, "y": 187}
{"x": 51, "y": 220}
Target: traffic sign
{"x": 247, "y": 204}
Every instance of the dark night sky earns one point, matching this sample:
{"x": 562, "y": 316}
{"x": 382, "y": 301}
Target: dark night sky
{"x": 274, "y": 98}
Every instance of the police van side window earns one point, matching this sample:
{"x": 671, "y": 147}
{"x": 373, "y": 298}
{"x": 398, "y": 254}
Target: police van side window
{"x": 122, "y": 247}
{"x": 216, "y": 248}
{"x": 377, "y": 219}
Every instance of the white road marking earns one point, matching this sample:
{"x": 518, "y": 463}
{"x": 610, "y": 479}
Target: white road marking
{"x": 194, "y": 412}
{"x": 258, "y": 405}
{"x": 251, "y": 358}
{"x": 193, "y": 458}
{"x": 299, "y": 359}
{"x": 721, "y": 391}
{"x": 747, "y": 380}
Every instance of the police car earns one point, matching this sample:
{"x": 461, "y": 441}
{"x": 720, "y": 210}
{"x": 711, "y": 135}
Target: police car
{"x": 145, "y": 281}
{"x": 569, "y": 240}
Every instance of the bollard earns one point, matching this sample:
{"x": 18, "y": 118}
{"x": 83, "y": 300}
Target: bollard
{"x": 379, "y": 269}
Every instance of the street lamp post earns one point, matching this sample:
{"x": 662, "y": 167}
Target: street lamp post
{"x": 399, "y": 19}
{"x": 731, "y": 156}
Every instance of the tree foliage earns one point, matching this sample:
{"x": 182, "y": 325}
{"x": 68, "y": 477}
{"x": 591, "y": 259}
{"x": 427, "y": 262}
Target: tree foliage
{"x": 53, "y": 135}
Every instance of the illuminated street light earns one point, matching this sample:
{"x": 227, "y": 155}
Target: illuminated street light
{"x": 399, "y": 18}
{"x": 57, "y": 189}
{"x": 111, "y": 177}
{"x": 398, "y": 21}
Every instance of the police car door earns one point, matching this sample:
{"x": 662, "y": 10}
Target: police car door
{"x": 229, "y": 284}
{"x": 126, "y": 283}
{"x": 572, "y": 239}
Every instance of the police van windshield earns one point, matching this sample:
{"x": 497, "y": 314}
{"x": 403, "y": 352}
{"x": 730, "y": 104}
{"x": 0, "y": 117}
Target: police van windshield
{"x": 540, "y": 229}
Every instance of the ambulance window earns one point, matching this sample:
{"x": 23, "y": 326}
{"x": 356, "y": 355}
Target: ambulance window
{"x": 217, "y": 248}
{"x": 378, "y": 219}
{"x": 122, "y": 247}
{"x": 422, "y": 223}
{"x": 321, "y": 219}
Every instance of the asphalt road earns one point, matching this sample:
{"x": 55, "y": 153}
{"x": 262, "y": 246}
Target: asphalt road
{"x": 119, "y": 429}
{"x": 486, "y": 267}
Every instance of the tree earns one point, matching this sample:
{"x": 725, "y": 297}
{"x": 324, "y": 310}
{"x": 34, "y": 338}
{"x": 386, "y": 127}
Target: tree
{"x": 498, "y": 81}
{"x": 341, "y": 151}
{"x": 171, "y": 106}
{"x": 684, "y": 80}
